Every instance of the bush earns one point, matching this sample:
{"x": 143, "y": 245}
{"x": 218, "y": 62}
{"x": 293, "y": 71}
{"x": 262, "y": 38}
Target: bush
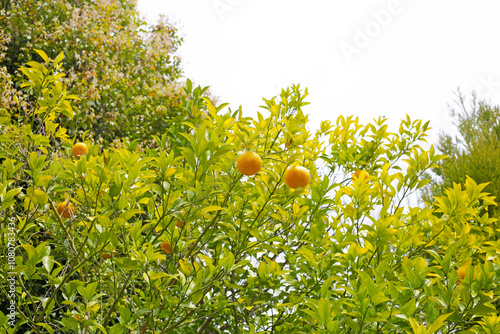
{"x": 125, "y": 71}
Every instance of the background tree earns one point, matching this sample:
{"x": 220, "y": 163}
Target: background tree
{"x": 125, "y": 71}
{"x": 473, "y": 152}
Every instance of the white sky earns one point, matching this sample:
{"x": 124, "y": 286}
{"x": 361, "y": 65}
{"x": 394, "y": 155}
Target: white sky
{"x": 411, "y": 62}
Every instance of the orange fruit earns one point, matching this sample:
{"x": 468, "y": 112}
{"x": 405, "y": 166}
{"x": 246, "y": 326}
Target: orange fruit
{"x": 106, "y": 256}
{"x": 179, "y": 224}
{"x": 79, "y": 149}
{"x": 166, "y": 247}
{"x": 360, "y": 175}
{"x": 461, "y": 272}
{"x": 289, "y": 143}
{"x": 297, "y": 176}
{"x": 66, "y": 209}
{"x": 249, "y": 163}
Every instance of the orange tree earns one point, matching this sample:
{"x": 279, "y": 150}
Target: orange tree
{"x": 176, "y": 240}
{"x": 124, "y": 70}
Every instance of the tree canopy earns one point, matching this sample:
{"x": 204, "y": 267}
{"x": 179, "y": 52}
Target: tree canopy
{"x": 124, "y": 70}
{"x": 475, "y": 149}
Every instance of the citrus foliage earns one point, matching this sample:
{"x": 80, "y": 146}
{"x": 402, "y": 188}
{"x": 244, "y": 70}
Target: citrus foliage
{"x": 176, "y": 240}
{"x": 124, "y": 70}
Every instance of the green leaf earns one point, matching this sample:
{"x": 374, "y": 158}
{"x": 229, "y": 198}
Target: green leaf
{"x": 417, "y": 329}
{"x": 8, "y": 199}
{"x": 59, "y": 57}
{"x": 46, "y": 326}
{"x": 126, "y": 263}
{"x": 158, "y": 275}
{"x": 117, "y": 329}
{"x": 31, "y": 74}
{"x": 26, "y": 84}
{"x": 227, "y": 262}
{"x": 59, "y": 189}
{"x": 3, "y": 319}
{"x": 81, "y": 166}
{"x": 72, "y": 286}
{"x": 43, "y": 55}
{"x": 37, "y": 65}
{"x": 20, "y": 268}
{"x": 438, "y": 323}
{"x": 188, "y": 154}
{"x": 73, "y": 97}
{"x": 48, "y": 307}
{"x": 409, "y": 308}
{"x": 41, "y": 197}
{"x": 326, "y": 286}
{"x": 72, "y": 303}
{"x": 352, "y": 324}
{"x": 29, "y": 249}
{"x": 126, "y": 215}
{"x": 96, "y": 325}
{"x": 323, "y": 311}
{"x": 211, "y": 208}
{"x": 87, "y": 291}
{"x": 483, "y": 310}
{"x": 189, "y": 86}
{"x": 48, "y": 263}
{"x": 71, "y": 323}
{"x": 197, "y": 295}
{"x": 262, "y": 270}
{"x": 125, "y": 315}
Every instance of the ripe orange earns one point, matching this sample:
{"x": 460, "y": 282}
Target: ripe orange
{"x": 66, "y": 209}
{"x": 297, "y": 176}
{"x": 166, "y": 247}
{"x": 249, "y": 163}
{"x": 360, "y": 175}
{"x": 79, "y": 149}
{"x": 179, "y": 224}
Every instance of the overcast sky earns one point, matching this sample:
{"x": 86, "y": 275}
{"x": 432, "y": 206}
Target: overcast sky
{"x": 367, "y": 58}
